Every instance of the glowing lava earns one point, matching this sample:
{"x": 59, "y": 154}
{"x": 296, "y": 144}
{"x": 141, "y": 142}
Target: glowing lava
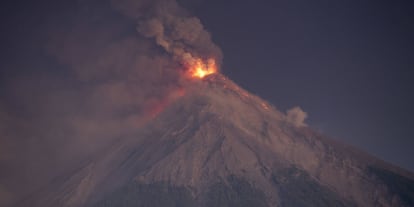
{"x": 200, "y": 69}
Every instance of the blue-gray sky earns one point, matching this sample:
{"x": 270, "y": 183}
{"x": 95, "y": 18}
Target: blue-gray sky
{"x": 76, "y": 74}
{"x": 349, "y": 64}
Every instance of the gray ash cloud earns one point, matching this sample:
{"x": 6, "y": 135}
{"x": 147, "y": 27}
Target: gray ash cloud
{"x": 86, "y": 74}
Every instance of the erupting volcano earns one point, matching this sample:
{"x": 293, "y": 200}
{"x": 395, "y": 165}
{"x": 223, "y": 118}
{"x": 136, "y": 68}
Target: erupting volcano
{"x": 219, "y": 145}
{"x": 200, "y": 69}
{"x": 142, "y": 117}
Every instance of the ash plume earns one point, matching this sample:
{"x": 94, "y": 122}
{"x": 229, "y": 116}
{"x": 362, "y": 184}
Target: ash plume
{"x": 296, "y": 116}
{"x": 181, "y": 35}
{"x": 105, "y": 69}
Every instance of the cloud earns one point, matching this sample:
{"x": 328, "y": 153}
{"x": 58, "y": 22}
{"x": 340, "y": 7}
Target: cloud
{"x": 296, "y": 116}
{"x": 105, "y": 68}
{"x": 182, "y": 36}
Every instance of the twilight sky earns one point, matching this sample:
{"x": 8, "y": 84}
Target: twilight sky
{"x": 68, "y": 65}
{"x": 77, "y": 74}
{"x": 349, "y": 64}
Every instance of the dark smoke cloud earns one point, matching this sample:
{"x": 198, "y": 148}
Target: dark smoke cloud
{"x": 107, "y": 68}
{"x": 181, "y": 35}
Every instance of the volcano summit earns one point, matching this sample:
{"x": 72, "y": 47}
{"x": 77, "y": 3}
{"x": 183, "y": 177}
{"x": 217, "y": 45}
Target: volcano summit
{"x": 219, "y": 145}
{"x": 122, "y": 103}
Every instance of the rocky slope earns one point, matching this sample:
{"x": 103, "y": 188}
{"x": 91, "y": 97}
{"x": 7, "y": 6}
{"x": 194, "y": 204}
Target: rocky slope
{"x": 218, "y": 145}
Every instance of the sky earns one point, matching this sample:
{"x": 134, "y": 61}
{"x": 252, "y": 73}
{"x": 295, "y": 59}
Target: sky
{"x": 75, "y": 74}
{"x": 348, "y": 64}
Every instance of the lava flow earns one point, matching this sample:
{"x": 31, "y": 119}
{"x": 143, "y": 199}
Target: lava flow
{"x": 199, "y": 69}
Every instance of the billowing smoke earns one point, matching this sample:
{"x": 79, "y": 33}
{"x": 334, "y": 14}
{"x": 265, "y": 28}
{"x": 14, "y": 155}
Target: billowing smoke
{"x": 179, "y": 34}
{"x": 88, "y": 73}
{"x": 184, "y": 33}
{"x": 296, "y": 116}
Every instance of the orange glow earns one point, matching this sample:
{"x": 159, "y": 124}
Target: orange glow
{"x": 200, "y": 69}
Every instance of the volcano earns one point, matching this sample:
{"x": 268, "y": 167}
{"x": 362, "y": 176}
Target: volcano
{"x": 218, "y": 145}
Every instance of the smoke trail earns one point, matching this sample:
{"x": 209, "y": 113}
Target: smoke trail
{"x": 181, "y": 35}
{"x": 296, "y": 116}
{"x": 88, "y": 73}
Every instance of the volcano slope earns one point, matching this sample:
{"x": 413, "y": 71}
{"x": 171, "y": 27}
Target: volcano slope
{"x": 218, "y": 145}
